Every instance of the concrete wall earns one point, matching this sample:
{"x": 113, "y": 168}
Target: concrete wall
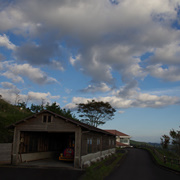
{"x": 35, "y": 156}
{"x": 86, "y": 160}
{"x": 5, "y": 153}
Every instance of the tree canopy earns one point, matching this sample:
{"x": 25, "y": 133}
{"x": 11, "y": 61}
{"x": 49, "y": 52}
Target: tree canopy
{"x": 175, "y": 140}
{"x": 95, "y": 113}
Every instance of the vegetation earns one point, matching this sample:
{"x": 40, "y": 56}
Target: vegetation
{"x": 165, "y": 158}
{"x": 95, "y": 113}
{"x": 100, "y": 170}
{"x": 165, "y": 140}
{"x": 10, "y": 114}
{"x": 54, "y": 107}
{"x": 175, "y": 140}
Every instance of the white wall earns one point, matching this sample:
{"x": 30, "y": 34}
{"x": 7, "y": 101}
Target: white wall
{"x": 35, "y": 156}
{"x": 94, "y": 157}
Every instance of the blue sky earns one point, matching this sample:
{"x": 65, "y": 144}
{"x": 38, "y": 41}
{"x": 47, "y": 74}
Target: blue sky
{"x": 125, "y": 52}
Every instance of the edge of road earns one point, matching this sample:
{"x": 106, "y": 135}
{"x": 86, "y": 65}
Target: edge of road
{"x": 159, "y": 165}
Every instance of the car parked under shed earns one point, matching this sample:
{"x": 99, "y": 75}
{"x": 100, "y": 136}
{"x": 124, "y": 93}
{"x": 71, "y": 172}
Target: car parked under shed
{"x": 46, "y": 135}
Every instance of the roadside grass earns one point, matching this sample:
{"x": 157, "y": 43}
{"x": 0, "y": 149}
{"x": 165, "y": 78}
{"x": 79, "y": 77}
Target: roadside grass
{"x": 100, "y": 170}
{"x": 159, "y": 161}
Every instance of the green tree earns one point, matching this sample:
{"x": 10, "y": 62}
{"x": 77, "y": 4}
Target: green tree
{"x": 175, "y": 135}
{"x": 95, "y": 113}
{"x": 165, "y": 140}
{"x": 56, "y": 109}
{"x": 36, "y": 108}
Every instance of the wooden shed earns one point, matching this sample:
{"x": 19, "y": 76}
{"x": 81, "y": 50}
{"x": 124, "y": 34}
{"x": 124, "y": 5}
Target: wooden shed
{"x": 46, "y": 135}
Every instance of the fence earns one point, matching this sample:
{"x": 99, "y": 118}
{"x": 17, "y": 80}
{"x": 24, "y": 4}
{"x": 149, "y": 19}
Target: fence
{"x": 164, "y": 159}
{"x": 5, "y": 153}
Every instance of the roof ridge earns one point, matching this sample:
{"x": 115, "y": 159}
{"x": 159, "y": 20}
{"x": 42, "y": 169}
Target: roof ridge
{"x": 92, "y": 128}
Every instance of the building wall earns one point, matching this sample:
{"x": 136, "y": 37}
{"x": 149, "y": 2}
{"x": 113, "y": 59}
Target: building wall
{"x": 36, "y": 124}
{"x": 5, "y": 153}
{"x": 123, "y": 139}
{"x": 88, "y": 143}
{"x": 94, "y": 142}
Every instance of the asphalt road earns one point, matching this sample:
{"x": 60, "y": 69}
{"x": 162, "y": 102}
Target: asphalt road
{"x": 16, "y": 173}
{"x": 138, "y": 165}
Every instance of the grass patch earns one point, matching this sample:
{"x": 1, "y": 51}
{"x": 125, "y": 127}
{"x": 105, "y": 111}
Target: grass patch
{"x": 100, "y": 170}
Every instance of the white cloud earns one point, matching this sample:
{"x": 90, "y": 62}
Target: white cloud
{"x": 107, "y": 39}
{"x": 68, "y": 91}
{"x": 39, "y": 97}
{"x": 15, "y": 78}
{"x": 8, "y": 85}
{"x": 16, "y": 72}
{"x": 102, "y": 87}
{"x": 57, "y": 65}
{"x": 130, "y": 90}
{"x": 141, "y": 100}
{"x": 121, "y": 112}
{"x": 171, "y": 73}
{"x": 168, "y": 54}
{"x": 73, "y": 60}
{"x": 111, "y": 39}
{"x": 13, "y": 95}
{"x": 4, "y": 41}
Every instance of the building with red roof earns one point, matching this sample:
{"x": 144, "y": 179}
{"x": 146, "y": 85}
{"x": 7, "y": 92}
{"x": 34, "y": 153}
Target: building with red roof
{"x": 122, "y": 139}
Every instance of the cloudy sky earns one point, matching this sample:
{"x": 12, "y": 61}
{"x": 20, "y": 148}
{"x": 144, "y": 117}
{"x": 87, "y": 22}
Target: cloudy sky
{"x": 126, "y": 52}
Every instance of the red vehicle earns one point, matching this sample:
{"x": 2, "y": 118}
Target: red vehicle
{"x": 68, "y": 155}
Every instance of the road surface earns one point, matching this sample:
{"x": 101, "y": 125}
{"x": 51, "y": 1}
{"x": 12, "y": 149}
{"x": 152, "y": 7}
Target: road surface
{"x": 138, "y": 165}
{"x": 17, "y": 173}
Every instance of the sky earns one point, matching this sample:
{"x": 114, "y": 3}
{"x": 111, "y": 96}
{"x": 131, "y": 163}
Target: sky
{"x": 125, "y": 52}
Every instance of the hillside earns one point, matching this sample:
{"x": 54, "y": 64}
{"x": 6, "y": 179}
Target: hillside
{"x": 137, "y": 143}
{"x": 8, "y": 115}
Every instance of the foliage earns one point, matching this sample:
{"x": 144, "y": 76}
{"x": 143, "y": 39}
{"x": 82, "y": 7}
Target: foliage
{"x": 36, "y": 108}
{"x": 56, "y": 109}
{"x": 10, "y": 114}
{"x": 175, "y": 135}
{"x": 162, "y": 153}
{"x": 175, "y": 139}
{"x": 165, "y": 140}
{"x": 95, "y": 113}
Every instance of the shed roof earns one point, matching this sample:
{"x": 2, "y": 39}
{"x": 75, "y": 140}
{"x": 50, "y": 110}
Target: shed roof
{"x": 115, "y": 132}
{"x": 83, "y": 125}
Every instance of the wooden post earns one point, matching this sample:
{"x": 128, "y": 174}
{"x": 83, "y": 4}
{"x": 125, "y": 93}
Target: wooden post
{"x": 164, "y": 159}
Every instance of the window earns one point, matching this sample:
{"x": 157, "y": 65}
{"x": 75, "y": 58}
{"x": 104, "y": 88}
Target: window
{"x": 124, "y": 140}
{"x": 98, "y": 141}
{"x": 89, "y": 145}
{"x": 44, "y": 119}
{"x": 98, "y": 144}
{"x": 109, "y": 142}
{"x": 47, "y": 119}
